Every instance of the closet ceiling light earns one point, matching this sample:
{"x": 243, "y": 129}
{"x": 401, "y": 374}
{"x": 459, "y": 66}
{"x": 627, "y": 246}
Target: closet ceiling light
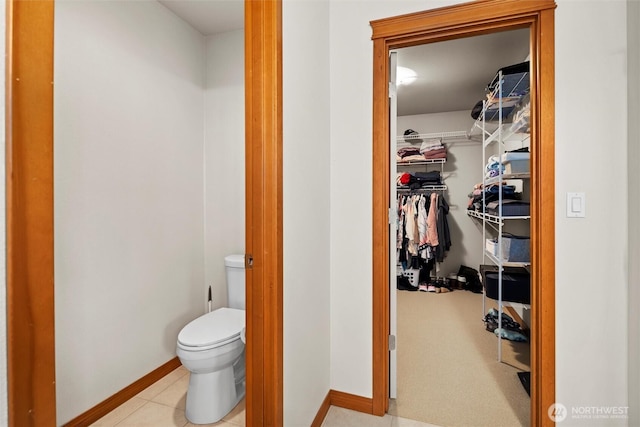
{"x": 405, "y": 76}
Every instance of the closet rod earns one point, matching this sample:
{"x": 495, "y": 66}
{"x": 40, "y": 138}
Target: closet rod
{"x": 422, "y": 189}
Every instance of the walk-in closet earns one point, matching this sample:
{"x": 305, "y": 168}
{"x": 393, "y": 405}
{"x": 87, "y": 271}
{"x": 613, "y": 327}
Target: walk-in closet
{"x": 460, "y": 227}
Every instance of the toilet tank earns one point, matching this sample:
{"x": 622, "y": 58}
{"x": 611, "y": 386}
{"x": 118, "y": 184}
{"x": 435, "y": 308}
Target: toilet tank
{"x": 234, "y": 267}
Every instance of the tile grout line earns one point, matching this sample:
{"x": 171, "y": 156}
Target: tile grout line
{"x": 164, "y": 388}
{"x": 150, "y": 400}
{"x": 131, "y": 414}
{"x": 146, "y": 401}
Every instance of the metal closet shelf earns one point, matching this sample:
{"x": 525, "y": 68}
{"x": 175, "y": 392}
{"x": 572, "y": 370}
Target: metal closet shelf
{"x": 444, "y": 136}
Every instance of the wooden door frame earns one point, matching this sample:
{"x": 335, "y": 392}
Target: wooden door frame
{"x": 29, "y": 212}
{"x": 462, "y": 20}
{"x": 263, "y": 193}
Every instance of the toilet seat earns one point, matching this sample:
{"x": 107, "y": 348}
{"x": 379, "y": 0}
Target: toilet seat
{"x": 212, "y": 330}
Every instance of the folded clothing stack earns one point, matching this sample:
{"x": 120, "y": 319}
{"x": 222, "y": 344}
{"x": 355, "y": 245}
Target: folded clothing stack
{"x": 510, "y": 207}
{"x": 493, "y": 167}
{"x": 409, "y": 154}
{"x": 433, "y": 149}
{"x": 406, "y": 152}
{"x": 415, "y": 180}
{"x": 489, "y": 194}
{"x": 428, "y": 150}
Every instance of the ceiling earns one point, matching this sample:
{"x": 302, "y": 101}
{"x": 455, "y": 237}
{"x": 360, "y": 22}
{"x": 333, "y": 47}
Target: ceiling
{"x": 452, "y": 74}
{"x": 209, "y": 16}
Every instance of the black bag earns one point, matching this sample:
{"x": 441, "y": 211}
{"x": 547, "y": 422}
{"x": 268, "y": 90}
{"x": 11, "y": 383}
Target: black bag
{"x": 473, "y": 283}
{"x": 477, "y": 109}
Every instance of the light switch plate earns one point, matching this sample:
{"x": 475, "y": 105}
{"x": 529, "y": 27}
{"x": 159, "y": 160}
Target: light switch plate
{"x": 576, "y": 205}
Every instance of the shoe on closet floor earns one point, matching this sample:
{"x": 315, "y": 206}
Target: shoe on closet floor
{"x": 423, "y": 287}
{"x": 507, "y": 321}
{"x": 491, "y": 324}
{"x": 403, "y": 284}
{"x": 431, "y": 288}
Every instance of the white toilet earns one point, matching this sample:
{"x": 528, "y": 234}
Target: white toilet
{"x": 211, "y": 347}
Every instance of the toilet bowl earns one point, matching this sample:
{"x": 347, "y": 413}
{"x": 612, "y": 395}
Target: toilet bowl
{"x": 211, "y": 349}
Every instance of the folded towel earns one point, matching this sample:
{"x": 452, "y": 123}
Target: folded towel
{"x": 430, "y": 144}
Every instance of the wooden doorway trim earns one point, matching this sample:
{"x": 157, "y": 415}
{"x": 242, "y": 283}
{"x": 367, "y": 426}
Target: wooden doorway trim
{"x": 29, "y": 198}
{"x": 29, "y": 210}
{"x": 263, "y": 124}
{"x": 463, "y": 20}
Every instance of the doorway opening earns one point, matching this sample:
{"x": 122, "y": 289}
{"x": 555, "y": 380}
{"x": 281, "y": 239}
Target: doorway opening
{"x": 465, "y": 20}
{"x": 448, "y": 368}
{"x": 29, "y": 181}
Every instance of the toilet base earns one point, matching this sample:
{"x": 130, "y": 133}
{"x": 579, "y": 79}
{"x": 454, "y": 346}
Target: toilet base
{"x": 211, "y": 396}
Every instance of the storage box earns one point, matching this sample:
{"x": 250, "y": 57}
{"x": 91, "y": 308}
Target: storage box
{"x": 516, "y": 166}
{"x": 413, "y": 274}
{"x": 514, "y": 248}
{"x": 515, "y": 162}
{"x": 491, "y": 245}
{"x": 516, "y": 283}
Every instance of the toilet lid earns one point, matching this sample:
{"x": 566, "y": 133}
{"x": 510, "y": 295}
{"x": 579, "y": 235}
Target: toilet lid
{"x": 212, "y": 328}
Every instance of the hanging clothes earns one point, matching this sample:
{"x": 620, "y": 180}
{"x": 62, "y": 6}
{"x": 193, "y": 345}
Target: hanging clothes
{"x": 422, "y": 227}
{"x": 432, "y": 219}
{"x": 411, "y": 226}
{"x": 442, "y": 224}
{"x": 423, "y": 236}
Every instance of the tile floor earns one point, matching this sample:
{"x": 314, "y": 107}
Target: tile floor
{"x": 162, "y": 405}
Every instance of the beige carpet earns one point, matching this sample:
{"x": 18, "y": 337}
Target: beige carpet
{"x": 448, "y": 372}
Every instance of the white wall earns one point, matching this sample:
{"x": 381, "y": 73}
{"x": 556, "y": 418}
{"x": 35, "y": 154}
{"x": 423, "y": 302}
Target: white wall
{"x": 462, "y": 171}
{"x": 224, "y": 158}
{"x": 306, "y": 234}
{"x": 590, "y": 301}
{"x": 601, "y": 367}
{"x": 591, "y": 275}
{"x": 3, "y": 269}
{"x": 351, "y": 200}
{"x": 633, "y": 159}
{"x": 129, "y": 138}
